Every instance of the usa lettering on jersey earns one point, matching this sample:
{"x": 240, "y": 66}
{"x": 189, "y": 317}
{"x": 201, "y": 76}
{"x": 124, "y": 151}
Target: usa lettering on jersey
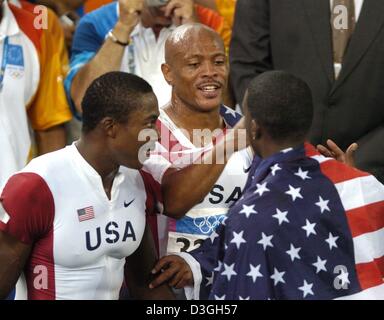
{"x": 111, "y": 234}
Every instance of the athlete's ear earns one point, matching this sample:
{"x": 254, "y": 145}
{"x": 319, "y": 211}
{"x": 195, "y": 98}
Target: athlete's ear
{"x": 167, "y": 72}
{"x": 256, "y": 130}
{"x": 109, "y": 126}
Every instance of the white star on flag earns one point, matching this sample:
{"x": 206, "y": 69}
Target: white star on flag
{"x": 228, "y": 271}
{"x": 219, "y": 265}
{"x": 309, "y": 228}
{"x": 238, "y": 238}
{"x": 277, "y": 277}
{"x": 275, "y": 168}
{"x": 286, "y": 150}
{"x": 220, "y": 298}
{"x": 332, "y": 241}
{"x": 213, "y": 236}
{"x": 254, "y": 272}
{"x": 248, "y": 210}
{"x": 294, "y": 252}
{"x": 246, "y": 298}
{"x": 281, "y": 216}
{"x": 209, "y": 280}
{"x": 261, "y": 188}
{"x": 231, "y": 112}
{"x": 302, "y": 174}
{"x": 265, "y": 241}
{"x": 306, "y": 288}
{"x": 320, "y": 265}
{"x": 294, "y": 193}
{"x": 323, "y": 204}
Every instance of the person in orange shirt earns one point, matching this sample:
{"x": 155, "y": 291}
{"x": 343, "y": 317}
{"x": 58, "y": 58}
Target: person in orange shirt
{"x": 66, "y": 10}
{"x": 91, "y": 5}
{"x": 226, "y": 8}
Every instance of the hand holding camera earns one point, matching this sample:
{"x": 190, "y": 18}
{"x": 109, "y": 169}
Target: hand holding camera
{"x": 129, "y": 12}
{"x": 181, "y": 11}
{"x": 129, "y": 17}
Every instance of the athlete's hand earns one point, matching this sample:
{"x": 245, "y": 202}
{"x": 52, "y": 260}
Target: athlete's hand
{"x": 333, "y": 150}
{"x": 129, "y": 12}
{"x": 181, "y": 11}
{"x": 174, "y": 270}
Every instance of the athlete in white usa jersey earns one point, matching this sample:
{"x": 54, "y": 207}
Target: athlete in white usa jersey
{"x": 72, "y": 219}
{"x": 198, "y": 77}
{"x": 78, "y": 233}
{"x": 188, "y": 232}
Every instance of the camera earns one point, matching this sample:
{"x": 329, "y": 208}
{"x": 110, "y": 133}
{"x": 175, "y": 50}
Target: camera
{"x": 156, "y": 3}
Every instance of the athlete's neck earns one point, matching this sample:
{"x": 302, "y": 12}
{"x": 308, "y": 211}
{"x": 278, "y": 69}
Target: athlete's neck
{"x": 188, "y": 118}
{"x": 269, "y": 146}
{"x": 99, "y": 158}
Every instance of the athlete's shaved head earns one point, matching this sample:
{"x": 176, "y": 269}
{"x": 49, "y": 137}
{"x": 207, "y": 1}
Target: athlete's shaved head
{"x": 196, "y": 67}
{"x": 184, "y": 37}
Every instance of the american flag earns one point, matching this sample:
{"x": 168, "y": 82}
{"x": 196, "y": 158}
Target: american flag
{"x": 85, "y": 213}
{"x": 307, "y": 227}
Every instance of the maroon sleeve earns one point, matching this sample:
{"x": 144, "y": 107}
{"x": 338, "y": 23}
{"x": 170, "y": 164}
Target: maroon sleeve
{"x": 154, "y": 204}
{"x": 29, "y": 206}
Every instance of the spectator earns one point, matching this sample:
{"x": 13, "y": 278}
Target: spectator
{"x": 226, "y": 8}
{"x": 31, "y": 93}
{"x": 67, "y": 11}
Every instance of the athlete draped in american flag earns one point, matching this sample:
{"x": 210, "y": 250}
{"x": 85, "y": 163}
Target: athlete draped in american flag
{"x": 307, "y": 227}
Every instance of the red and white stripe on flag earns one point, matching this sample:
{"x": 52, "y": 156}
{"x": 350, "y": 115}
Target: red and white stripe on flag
{"x": 362, "y": 196}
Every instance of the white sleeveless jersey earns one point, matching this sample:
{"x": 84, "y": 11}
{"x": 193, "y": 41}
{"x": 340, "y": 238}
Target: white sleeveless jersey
{"x": 80, "y": 237}
{"x": 188, "y": 233}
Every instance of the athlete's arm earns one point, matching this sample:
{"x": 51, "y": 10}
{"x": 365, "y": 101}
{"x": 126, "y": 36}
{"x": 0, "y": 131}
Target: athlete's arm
{"x": 13, "y": 256}
{"x": 26, "y": 214}
{"x": 109, "y": 57}
{"x": 138, "y": 271}
{"x": 183, "y": 189}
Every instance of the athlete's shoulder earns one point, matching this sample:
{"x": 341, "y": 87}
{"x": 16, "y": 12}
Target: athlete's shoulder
{"x": 28, "y": 183}
{"x": 50, "y": 163}
{"x": 132, "y": 176}
{"x": 29, "y": 205}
